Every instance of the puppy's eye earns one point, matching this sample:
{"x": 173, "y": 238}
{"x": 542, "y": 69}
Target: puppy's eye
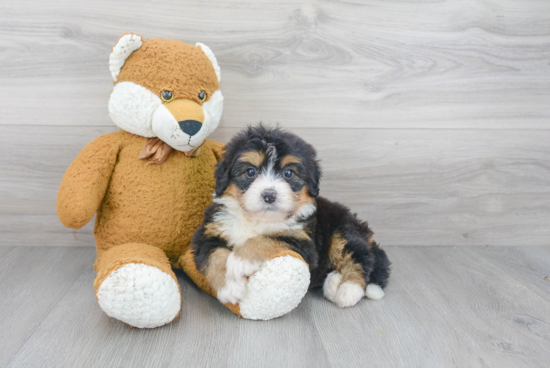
{"x": 288, "y": 173}
{"x": 251, "y": 172}
{"x": 202, "y": 96}
{"x": 166, "y": 96}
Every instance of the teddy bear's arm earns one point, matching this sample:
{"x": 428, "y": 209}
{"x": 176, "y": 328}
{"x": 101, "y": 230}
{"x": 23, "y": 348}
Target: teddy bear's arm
{"x": 84, "y": 184}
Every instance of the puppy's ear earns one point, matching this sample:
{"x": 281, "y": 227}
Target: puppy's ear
{"x": 313, "y": 171}
{"x": 222, "y": 177}
{"x": 313, "y": 179}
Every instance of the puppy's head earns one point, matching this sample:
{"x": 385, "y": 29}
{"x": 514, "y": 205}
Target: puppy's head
{"x": 272, "y": 173}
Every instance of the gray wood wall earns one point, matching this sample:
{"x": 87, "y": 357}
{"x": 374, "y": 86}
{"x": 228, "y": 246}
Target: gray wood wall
{"x": 432, "y": 118}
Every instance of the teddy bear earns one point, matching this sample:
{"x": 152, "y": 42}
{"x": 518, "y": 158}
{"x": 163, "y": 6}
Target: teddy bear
{"x": 150, "y": 182}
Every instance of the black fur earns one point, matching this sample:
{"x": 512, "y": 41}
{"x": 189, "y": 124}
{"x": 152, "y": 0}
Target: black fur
{"x": 329, "y": 218}
{"x": 259, "y": 138}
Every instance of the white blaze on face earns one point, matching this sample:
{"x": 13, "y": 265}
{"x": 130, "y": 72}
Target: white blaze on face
{"x": 268, "y": 179}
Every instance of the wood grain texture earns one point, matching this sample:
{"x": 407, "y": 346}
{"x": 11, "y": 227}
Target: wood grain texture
{"x": 375, "y": 63}
{"x": 443, "y": 107}
{"x": 444, "y": 307}
{"x": 32, "y": 280}
{"x": 415, "y": 187}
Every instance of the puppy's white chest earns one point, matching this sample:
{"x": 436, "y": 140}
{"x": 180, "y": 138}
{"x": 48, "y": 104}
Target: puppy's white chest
{"x": 238, "y": 228}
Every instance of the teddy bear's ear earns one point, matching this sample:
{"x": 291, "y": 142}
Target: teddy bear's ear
{"x": 126, "y": 44}
{"x": 212, "y": 58}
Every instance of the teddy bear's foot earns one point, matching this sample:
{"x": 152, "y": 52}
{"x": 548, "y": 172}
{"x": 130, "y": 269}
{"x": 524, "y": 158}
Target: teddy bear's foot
{"x": 140, "y": 295}
{"x": 275, "y": 289}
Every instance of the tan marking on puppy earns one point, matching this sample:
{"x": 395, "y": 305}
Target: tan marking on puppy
{"x": 302, "y": 198}
{"x": 344, "y": 263}
{"x": 233, "y": 191}
{"x": 259, "y": 249}
{"x": 255, "y": 158}
{"x": 214, "y": 271}
{"x": 296, "y": 234}
{"x": 211, "y": 229}
{"x": 290, "y": 159}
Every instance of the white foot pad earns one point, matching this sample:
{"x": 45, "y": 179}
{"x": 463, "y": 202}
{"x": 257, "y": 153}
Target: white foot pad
{"x": 140, "y": 295}
{"x": 343, "y": 294}
{"x": 349, "y": 293}
{"x": 276, "y": 289}
{"x": 374, "y": 291}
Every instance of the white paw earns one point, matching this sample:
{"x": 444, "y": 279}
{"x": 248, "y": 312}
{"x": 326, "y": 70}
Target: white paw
{"x": 232, "y": 292}
{"x": 236, "y": 277}
{"x": 140, "y": 295}
{"x": 330, "y": 287}
{"x": 237, "y": 268}
{"x": 348, "y": 294}
{"x": 374, "y": 291}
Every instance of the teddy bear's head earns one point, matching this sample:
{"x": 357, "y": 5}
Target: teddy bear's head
{"x": 166, "y": 89}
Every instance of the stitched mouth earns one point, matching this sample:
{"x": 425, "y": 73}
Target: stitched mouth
{"x": 188, "y": 144}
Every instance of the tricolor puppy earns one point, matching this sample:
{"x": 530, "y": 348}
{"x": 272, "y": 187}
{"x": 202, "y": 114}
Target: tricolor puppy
{"x": 266, "y": 201}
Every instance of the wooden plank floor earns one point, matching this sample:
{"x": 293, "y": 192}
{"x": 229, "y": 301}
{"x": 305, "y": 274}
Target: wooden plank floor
{"x": 445, "y": 307}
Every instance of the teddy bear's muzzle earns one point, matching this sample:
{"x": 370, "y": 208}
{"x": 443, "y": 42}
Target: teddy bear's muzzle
{"x": 190, "y": 127}
{"x": 183, "y": 124}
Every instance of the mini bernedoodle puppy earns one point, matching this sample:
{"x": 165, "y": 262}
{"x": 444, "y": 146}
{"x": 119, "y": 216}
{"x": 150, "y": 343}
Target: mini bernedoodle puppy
{"x": 266, "y": 201}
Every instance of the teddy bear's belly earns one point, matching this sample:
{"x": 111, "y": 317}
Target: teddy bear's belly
{"x": 150, "y": 203}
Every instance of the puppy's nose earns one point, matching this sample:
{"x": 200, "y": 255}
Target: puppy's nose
{"x": 190, "y": 127}
{"x": 269, "y": 196}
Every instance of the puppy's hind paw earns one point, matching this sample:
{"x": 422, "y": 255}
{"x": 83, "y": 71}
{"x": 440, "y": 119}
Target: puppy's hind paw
{"x": 374, "y": 292}
{"x": 331, "y": 285}
{"x": 349, "y": 293}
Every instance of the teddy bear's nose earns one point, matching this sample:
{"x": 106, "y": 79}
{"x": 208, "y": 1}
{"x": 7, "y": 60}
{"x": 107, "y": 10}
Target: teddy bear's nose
{"x": 190, "y": 127}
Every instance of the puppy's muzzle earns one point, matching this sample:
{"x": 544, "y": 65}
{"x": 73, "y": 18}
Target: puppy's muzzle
{"x": 269, "y": 196}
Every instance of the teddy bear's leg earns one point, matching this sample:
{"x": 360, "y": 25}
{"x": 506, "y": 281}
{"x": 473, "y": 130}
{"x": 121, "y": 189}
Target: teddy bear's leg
{"x": 135, "y": 284}
{"x": 274, "y": 290}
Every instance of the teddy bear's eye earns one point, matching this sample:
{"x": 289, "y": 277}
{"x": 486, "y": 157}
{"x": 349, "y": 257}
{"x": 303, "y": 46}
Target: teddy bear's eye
{"x": 166, "y": 96}
{"x": 202, "y": 95}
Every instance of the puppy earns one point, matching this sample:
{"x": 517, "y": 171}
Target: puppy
{"x": 266, "y": 200}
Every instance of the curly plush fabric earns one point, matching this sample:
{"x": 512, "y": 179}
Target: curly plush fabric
{"x": 158, "y": 205}
{"x": 185, "y": 70}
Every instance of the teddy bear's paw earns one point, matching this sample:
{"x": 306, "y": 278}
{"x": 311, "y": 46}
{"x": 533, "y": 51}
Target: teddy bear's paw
{"x": 140, "y": 295}
{"x": 275, "y": 289}
{"x": 374, "y": 292}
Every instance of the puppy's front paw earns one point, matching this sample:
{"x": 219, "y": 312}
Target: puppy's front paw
{"x": 232, "y": 292}
{"x": 237, "y": 272}
{"x": 238, "y": 268}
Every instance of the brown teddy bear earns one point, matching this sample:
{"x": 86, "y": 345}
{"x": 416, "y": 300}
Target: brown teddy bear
{"x": 150, "y": 182}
